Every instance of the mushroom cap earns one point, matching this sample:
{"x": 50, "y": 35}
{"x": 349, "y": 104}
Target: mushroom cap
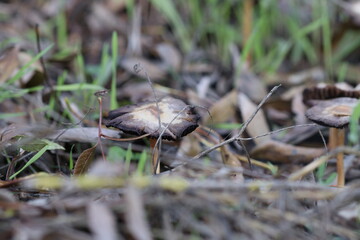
{"x": 142, "y": 118}
{"x": 312, "y": 95}
{"x": 332, "y": 113}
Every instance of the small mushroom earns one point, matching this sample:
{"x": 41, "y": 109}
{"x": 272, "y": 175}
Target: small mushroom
{"x": 169, "y": 118}
{"x": 334, "y": 113}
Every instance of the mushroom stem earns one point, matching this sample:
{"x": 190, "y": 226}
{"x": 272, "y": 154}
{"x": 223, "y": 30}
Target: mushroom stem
{"x": 337, "y": 139}
{"x": 154, "y": 156}
{"x": 340, "y": 159}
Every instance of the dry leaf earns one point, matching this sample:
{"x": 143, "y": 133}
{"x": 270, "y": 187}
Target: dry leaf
{"x": 223, "y": 110}
{"x": 258, "y": 125}
{"x": 278, "y": 152}
{"x": 9, "y": 62}
{"x": 250, "y": 84}
{"x": 229, "y": 159}
{"x": 84, "y": 160}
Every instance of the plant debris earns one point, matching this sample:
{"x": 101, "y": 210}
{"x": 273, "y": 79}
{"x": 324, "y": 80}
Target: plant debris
{"x": 76, "y": 77}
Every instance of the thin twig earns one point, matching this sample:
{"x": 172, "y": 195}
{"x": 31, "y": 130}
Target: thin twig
{"x": 99, "y": 97}
{"x": 276, "y": 131}
{"x": 247, "y": 122}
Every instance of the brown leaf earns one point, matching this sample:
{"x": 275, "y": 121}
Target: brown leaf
{"x": 279, "y": 152}
{"x": 258, "y": 125}
{"x": 223, "y": 110}
{"x": 84, "y": 160}
{"x": 231, "y": 160}
{"x": 9, "y": 62}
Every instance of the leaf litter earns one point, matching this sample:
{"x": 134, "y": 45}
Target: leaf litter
{"x": 239, "y": 175}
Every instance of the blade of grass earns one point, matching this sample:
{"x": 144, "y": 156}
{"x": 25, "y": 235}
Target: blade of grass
{"x": 50, "y": 146}
{"x": 71, "y": 160}
{"x": 128, "y": 157}
{"x": 142, "y": 163}
{"x": 114, "y": 45}
{"x": 77, "y": 87}
{"x": 172, "y": 14}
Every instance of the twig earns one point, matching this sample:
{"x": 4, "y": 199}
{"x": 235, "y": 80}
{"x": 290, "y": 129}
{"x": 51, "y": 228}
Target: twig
{"x": 99, "y": 96}
{"x": 247, "y": 122}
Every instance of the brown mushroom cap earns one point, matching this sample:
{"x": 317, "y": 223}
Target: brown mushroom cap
{"x": 313, "y": 94}
{"x": 332, "y": 113}
{"x": 142, "y": 118}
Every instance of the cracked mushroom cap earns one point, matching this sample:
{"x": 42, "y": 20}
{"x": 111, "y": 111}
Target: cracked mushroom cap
{"x": 332, "y": 113}
{"x": 142, "y": 118}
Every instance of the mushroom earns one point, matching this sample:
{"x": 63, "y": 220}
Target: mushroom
{"x": 334, "y": 113}
{"x": 169, "y": 118}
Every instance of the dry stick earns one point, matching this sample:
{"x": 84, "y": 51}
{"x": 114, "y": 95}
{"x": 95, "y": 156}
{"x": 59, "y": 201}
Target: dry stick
{"x": 247, "y": 122}
{"x": 99, "y": 97}
{"x": 279, "y": 130}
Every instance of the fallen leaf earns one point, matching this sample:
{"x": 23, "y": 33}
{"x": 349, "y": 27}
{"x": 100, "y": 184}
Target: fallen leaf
{"x": 278, "y": 152}
{"x": 9, "y": 62}
{"x": 84, "y": 160}
{"x": 222, "y": 110}
{"x": 250, "y": 84}
{"x": 258, "y": 124}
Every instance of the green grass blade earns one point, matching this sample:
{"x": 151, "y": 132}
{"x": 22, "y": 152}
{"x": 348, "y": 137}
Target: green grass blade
{"x": 77, "y": 87}
{"x": 71, "y": 159}
{"x": 142, "y": 163}
{"x": 354, "y": 125}
{"x": 31, "y": 161}
{"x": 128, "y": 157}
{"x": 114, "y": 45}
